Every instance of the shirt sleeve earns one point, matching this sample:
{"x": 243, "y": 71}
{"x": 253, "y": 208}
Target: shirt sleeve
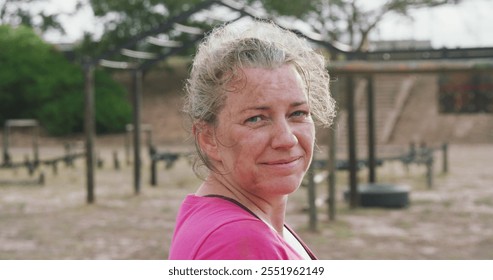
{"x": 242, "y": 240}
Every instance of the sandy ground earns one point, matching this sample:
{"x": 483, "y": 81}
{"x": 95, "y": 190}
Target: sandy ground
{"x": 451, "y": 220}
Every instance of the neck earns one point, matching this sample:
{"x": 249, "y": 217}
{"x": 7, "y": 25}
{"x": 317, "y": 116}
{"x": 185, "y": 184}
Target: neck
{"x": 269, "y": 209}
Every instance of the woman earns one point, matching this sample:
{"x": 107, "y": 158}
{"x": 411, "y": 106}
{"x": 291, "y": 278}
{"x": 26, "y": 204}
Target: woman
{"x": 253, "y": 95}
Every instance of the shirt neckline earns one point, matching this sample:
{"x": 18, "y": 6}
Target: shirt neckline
{"x": 293, "y": 234}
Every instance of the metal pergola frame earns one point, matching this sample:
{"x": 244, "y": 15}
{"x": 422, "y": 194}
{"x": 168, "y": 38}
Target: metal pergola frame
{"x": 369, "y": 69}
{"x": 357, "y": 63}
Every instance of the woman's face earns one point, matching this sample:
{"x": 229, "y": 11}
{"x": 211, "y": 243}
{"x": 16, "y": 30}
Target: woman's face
{"x": 264, "y": 133}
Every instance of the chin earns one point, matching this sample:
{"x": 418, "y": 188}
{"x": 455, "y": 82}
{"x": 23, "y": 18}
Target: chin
{"x": 281, "y": 186}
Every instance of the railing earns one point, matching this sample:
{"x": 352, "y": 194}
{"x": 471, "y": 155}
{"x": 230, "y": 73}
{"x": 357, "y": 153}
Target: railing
{"x": 169, "y": 158}
{"x": 422, "y": 54}
{"x": 32, "y": 165}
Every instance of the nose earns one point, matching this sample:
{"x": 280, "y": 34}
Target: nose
{"x": 283, "y": 136}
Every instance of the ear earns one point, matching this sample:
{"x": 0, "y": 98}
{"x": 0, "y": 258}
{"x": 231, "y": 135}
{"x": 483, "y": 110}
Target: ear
{"x": 206, "y": 140}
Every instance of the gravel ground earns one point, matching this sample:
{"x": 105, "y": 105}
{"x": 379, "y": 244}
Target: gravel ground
{"x": 451, "y": 220}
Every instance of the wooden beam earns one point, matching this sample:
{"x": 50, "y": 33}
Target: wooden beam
{"x": 89, "y": 129}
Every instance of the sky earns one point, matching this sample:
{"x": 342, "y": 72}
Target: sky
{"x": 465, "y": 25}
{"x": 468, "y": 24}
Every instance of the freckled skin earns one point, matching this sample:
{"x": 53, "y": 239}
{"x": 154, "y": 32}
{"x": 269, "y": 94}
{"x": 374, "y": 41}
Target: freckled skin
{"x": 265, "y": 134}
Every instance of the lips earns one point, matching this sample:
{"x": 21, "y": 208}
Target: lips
{"x": 283, "y": 161}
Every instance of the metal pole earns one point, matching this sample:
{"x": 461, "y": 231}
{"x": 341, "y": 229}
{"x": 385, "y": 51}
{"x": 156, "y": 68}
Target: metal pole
{"x": 137, "y": 92}
{"x": 36, "y": 145}
{"x": 127, "y": 146}
{"x": 116, "y": 161}
{"x": 445, "y": 157}
{"x": 332, "y": 174}
{"x": 153, "y": 172}
{"x": 353, "y": 168}
{"x": 331, "y": 166}
{"x": 312, "y": 208}
{"x": 89, "y": 129}
{"x": 5, "y": 145}
{"x": 429, "y": 171}
{"x": 154, "y": 162}
{"x": 149, "y": 138}
{"x": 371, "y": 131}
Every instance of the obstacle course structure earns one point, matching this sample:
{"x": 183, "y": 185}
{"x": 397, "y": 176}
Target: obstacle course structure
{"x": 362, "y": 64}
{"x": 16, "y": 124}
{"x": 32, "y": 164}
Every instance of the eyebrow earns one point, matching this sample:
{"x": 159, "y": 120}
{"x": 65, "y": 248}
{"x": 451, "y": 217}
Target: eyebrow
{"x": 264, "y": 108}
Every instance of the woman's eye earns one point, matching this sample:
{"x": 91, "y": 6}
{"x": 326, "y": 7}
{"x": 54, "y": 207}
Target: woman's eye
{"x": 254, "y": 119}
{"x": 300, "y": 114}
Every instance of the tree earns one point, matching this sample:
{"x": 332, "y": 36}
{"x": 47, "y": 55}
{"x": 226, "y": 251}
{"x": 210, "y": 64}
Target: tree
{"x": 346, "y": 21}
{"x": 22, "y": 12}
{"x": 123, "y": 20}
{"x": 36, "y": 81}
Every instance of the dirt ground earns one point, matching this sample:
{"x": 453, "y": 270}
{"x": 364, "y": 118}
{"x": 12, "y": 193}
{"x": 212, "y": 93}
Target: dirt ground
{"x": 451, "y": 220}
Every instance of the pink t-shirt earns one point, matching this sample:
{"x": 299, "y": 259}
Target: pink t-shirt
{"x": 213, "y": 228}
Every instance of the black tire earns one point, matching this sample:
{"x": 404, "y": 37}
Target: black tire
{"x": 382, "y": 195}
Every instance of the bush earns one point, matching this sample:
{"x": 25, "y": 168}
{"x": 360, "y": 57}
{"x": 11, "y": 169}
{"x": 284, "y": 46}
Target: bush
{"x": 36, "y": 81}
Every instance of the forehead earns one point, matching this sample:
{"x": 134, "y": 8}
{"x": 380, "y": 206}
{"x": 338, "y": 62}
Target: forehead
{"x": 262, "y": 84}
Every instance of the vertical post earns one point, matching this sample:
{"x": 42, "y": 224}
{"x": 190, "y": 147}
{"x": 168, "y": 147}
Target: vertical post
{"x": 371, "y": 132}
{"x": 116, "y": 161}
{"x": 149, "y": 138}
{"x": 29, "y": 165}
{"x": 127, "y": 143}
{"x": 89, "y": 121}
{"x": 445, "y": 157}
{"x": 35, "y": 144}
{"x": 137, "y": 92}
{"x": 5, "y": 144}
{"x": 332, "y": 174}
{"x": 429, "y": 171}
{"x": 332, "y": 166}
{"x": 312, "y": 207}
{"x": 69, "y": 158}
{"x": 154, "y": 161}
{"x": 41, "y": 179}
{"x": 54, "y": 165}
{"x": 351, "y": 126}
{"x": 153, "y": 172}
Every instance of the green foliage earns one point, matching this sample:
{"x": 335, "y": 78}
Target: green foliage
{"x": 113, "y": 112}
{"x": 36, "y": 81}
{"x": 123, "y": 20}
{"x": 296, "y": 8}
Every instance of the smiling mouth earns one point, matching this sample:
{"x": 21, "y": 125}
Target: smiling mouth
{"x": 283, "y": 161}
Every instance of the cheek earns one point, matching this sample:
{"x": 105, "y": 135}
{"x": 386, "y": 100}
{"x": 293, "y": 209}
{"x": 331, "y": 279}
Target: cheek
{"x": 306, "y": 138}
{"x": 241, "y": 146}
{"x": 250, "y": 146}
